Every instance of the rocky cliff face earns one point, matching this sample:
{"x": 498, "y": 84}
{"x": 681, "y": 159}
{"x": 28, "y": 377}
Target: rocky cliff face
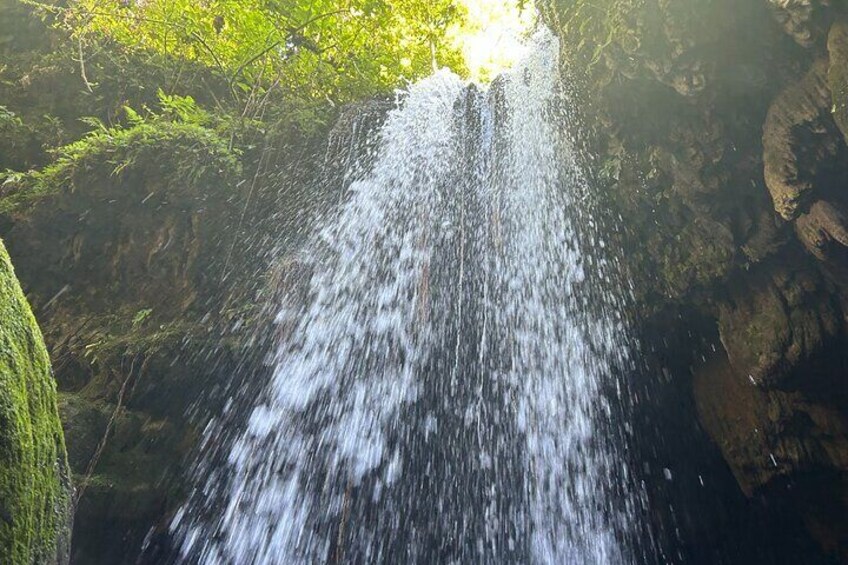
{"x": 147, "y": 256}
{"x": 722, "y": 141}
{"x": 35, "y": 488}
{"x": 147, "y": 282}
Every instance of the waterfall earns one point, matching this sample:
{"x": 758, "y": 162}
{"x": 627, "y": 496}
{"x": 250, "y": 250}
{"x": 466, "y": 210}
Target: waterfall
{"x": 448, "y": 389}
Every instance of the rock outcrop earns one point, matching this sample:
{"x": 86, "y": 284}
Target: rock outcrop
{"x": 144, "y": 255}
{"x": 722, "y": 145}
{"x": 800, "y": 18}
{"x": 775, "y": 321}
{"x": 35, "y": 488}
{"x": 837, "y": 74}
{"x": 123, "y": 268}
{"x": 822, "y": 227}
{"x": 766, "y": 434}
{"x": 800, "y": 141}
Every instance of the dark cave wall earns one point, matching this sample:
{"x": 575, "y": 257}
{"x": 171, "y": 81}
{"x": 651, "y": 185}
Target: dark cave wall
{"x": 720, "y": 134}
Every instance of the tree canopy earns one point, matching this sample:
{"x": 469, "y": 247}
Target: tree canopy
{"x": 330, "y": 50}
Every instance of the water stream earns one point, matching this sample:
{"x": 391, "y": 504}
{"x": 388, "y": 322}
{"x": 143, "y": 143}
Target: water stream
{"x": 448, "y": 390}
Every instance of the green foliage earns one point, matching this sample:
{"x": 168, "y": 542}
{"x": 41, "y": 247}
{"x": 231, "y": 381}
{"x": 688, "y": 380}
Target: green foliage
{"x": 302, "y": 50}
{"x": 22, "y": 142}
{"x": 176, "y": 108}
{"x": 593, "y": 26}
{"x": 18, "y": 31}
{"x": 34, "y": 495}
{"x": 182, "y": 141}
{"x": 141, "y": 316}
{"x": 13, "y": 133}
{"x": 263, "y": 69}
{"x": 126, "y": 333}
{"x": 8, "y": 118}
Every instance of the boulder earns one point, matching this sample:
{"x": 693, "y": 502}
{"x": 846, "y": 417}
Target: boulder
{"x": 766, "y": 434}
{"x": 35, "y": 489}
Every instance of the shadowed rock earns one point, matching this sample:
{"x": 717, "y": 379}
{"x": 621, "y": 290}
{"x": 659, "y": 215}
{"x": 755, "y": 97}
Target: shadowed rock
{"x": 800, "y": 141}
{"x": 822, "y": 226}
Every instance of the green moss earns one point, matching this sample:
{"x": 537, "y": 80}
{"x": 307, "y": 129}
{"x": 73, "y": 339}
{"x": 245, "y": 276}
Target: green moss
{"x": 187, "y": 152}
{"x": 34, "y": 476}
{"x": 185, "y": 146}
{"x": 595, "y": 27}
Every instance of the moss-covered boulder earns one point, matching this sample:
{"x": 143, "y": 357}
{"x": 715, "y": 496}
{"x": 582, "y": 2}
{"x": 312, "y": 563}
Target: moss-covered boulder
{"x": 35, "y": 494}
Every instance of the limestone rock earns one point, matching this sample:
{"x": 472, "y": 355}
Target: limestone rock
{"x": 702, "y": 253}
{"x": 764, "y": 434}
{"x": 798, "y": 18}
{"x": 661, "y": 39}
{"x": 837, "y": 74}
{"x": 822, "y": 226}
{"x": 683, "y": 94}
{"x": 799, "y": 141}
{"x": 776, "y": 321}
{"x": 765, "y": 239}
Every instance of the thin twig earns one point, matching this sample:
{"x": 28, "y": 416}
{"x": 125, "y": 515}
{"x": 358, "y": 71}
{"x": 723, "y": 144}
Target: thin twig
{"x": 82, "y": 68}
{"x": 101, "y": 446}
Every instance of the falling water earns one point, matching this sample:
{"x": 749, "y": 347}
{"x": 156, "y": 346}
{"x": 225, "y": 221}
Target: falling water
{"x": 448, "y": 392}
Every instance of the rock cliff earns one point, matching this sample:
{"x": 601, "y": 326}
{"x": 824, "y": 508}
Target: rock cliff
{"x": 721, "y": 136}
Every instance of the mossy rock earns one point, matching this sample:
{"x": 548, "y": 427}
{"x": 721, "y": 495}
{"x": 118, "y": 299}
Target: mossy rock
{"x": 35, "y": 508}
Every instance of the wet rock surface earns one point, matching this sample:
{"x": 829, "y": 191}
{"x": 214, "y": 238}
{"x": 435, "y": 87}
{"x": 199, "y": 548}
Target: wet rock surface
{"x": 800, "y": 142}
{"x": 724, "y": 151}
{"x": 146, "y": 285}
{"x": 822, "y": 228}
{"x": 776, "y": 320}
{"x": 802, "y": 19}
